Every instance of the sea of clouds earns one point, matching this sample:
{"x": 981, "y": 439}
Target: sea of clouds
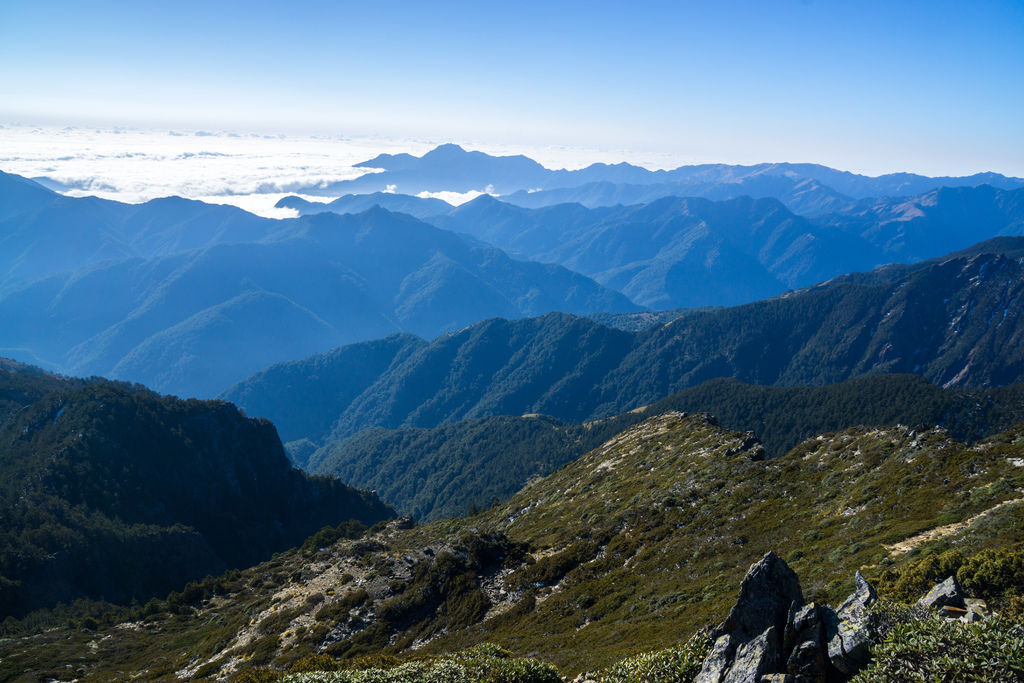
{"x": 252, "y": 170}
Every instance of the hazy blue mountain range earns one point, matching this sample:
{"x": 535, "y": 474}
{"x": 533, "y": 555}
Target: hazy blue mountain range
{"x": 110, "y": 491}
{"x": 940, "y": 221}
{"x": 693, "y": 252}
{"x": 449, "y": 167}
{"x": 803, "y": 196}
{"x": 690, "y": 252}
{"x": 195, "y": 321}
{"x": 420, "y": 207}
{"x": 176, "y": 293}
{"x": 43, "y": 232}
{"x": 674, "y": 252}
{"x": 956, "y": 322}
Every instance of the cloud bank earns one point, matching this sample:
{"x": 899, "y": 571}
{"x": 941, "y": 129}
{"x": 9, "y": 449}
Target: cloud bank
{"x": 252, "y": 170}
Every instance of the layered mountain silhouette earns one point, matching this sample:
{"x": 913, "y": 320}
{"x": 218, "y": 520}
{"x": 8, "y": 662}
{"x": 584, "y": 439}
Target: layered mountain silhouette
{"x": 153, "y": 307}
{"x": 690, "y": 252}
{"x": 811, "y": 188}
{"x": 957, "y": 322}
{"x": 674, "y": 252}
{"x": 43, "y": 232}
{"x": 804, "y": 196}
{"x": 110, "y": 491}
{"x": 420, "y": 207}
{"x": 177, "y": 294}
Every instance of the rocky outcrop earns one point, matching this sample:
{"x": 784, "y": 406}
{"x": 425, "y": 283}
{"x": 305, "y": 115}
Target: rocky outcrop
{"x": 771, "y": 635}
{"x": 848, "y": 629}
{"x": 756, "y": 658}
{"x": 950, "y": 601}
{"x": 752, "y": 446}
{"x": 804, "y": 640}
{"x": 975, "y": 610}
{"x": 748, "y": 644}
{"x": 768, "y": 591}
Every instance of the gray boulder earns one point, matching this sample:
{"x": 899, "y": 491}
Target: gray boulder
{"x": 848, "y": 630}
{"x": 976, "y": 610}
{"x": 863, "y": 596}
{"x": 772, "y": 636}
{"x": 717, "y": 663}
{"x": 945, "y": 594}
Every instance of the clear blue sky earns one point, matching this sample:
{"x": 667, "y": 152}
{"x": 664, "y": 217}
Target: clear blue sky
{"x": 936, "y": 87}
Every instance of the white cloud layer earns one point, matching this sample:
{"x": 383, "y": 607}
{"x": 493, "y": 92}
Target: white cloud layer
{"x": 453, "y": 198}
{"x": 249, "y": 170}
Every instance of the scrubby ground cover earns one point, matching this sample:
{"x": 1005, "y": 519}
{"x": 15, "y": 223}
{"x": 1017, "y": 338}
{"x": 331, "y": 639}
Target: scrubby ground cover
{"x": 630, "y": 549}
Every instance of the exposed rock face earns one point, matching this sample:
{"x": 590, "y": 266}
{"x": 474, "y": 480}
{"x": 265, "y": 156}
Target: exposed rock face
{"x": 771, "y": 635}
{"x": 767, "y": 593}
{"x": 755, "y": 658}
{"x": 748, "y": 643}
{"x": 804, "y": 640}
{"x": 752, "y": 446}
{"x": 718, "y": 661}
{"x": 863, "y": 596}
{"x": 945, "y": 594}
{"x": 848, "y": 631}
{"x": 976, "y": 610}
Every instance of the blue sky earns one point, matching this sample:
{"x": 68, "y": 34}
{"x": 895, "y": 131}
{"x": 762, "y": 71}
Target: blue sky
{"x": 934, "y": 87}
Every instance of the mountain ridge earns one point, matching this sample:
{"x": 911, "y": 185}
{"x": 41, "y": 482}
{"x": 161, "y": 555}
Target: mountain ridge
{"x": 109, "y": 491}
{"x": 449, "y": 167}
{"x": 191, "y": 322}
{"x": 633, "y": 546}
{"x": 951, "y": 321}
{"x": 685, "y": 252}
{"x": 449, "y": 470}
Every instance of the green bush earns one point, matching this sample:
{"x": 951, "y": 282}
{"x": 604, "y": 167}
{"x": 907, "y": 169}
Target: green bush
{"x": 314, "y": 662}
{"x": 482, "y": 664}
{"x": 936, "y": 649}
{"x": 255, "y": 675}
{"x": 549, "y": 570}
{"x": 673, "y": 665}
{"x": 989, "y": 574}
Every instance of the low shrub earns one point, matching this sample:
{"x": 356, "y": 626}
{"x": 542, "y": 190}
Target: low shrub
{"x": 482, "y": 664}
{"x": 937, "y": 649}
{"x": 989, "y": 574}
{"x": 673, "y": 665}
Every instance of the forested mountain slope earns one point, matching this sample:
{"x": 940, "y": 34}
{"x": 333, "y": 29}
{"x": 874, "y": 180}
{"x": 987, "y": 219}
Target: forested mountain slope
{"x": 955, "y": 322}
{"x": 448, "y": 470}
{"x": 111, "y": 491}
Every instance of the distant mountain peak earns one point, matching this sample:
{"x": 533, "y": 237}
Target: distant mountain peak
{"x": 485, "y": 200}
{"x": 446, "y": 148}
{"x": 291, "y": 202}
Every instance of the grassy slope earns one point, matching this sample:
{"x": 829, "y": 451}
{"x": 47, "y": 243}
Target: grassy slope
{"x": 631, "y": 547}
